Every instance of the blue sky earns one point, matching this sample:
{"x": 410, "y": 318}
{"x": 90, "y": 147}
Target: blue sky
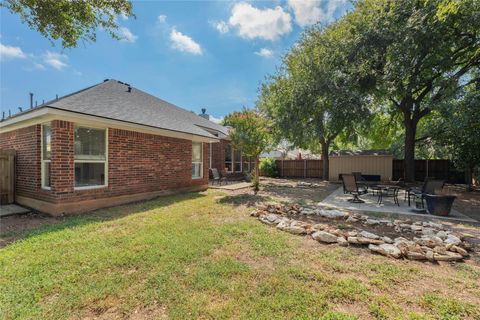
{"x": 210, "y": 54}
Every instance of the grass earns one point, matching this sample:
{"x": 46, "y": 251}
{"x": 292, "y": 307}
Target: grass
{"x": 201, "y": 256}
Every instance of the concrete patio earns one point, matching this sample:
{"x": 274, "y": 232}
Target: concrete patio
{"x": 339, "y": 200}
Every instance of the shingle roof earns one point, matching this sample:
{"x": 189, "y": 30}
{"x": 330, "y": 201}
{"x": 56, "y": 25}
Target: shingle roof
{"x": 111, "y": 99}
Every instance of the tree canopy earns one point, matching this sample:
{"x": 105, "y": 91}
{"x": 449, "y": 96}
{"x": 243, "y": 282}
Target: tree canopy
{"x": 250, "y": 133}
{"x": 311, "y": 100}
{"x": 412, "y": 55}
{"x": 70, "y": 21}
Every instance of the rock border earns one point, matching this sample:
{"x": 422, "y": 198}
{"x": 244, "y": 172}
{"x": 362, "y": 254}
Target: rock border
{"x": 432, "y": 243}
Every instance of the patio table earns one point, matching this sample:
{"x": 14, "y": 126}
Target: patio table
{"x": 387, "y": 191}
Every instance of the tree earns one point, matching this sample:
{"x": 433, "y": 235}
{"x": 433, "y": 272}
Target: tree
{"x": 413, "y": 55}
{"x": 250, "y": 133}
{"x": 459, "y": 129}
{"x": 68, "y": 20}
{"x": 312, "y": 98}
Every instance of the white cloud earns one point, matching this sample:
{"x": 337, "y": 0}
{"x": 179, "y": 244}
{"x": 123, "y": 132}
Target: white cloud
{"x": 308, "y": 12}
{"x": 264, "y": 52}
{"x": 221, "y": 26}
{"x": 184, "y": 43}
{"x": 162, "y": 18}
{"x": 55, "y": 60}
{"x": 10, "y": 52}
{"x": 268, "y": 24}
{"x": 216, "y": 120}
{"x": 127, "y": 35}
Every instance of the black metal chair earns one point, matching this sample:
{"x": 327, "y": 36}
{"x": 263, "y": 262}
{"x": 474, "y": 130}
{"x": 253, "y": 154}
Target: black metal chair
{"x": 429, "y": 187}
{"x": 350, "y": 186}
{"x": 217, "y": 177}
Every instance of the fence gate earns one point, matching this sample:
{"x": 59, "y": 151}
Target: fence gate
{"x": 7, "y": 176}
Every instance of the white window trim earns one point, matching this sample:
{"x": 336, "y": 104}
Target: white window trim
{"x": 92, "y": 161}
{"x": 42, "y": 161}
{"x": 200, "y": 162}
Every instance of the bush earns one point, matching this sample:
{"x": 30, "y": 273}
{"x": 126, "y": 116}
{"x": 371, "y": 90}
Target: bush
{"x": 268, "y": 167}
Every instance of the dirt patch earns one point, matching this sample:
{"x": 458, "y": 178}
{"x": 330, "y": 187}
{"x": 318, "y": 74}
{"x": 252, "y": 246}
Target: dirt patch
{"x": 12, "y": 227}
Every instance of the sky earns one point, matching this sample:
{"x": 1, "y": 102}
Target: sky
{"x": 195, "y": 54}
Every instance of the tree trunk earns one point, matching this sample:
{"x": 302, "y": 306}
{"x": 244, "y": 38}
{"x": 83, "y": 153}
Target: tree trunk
{"x": 325, "y": 160}
{"x": 409, "y": 155}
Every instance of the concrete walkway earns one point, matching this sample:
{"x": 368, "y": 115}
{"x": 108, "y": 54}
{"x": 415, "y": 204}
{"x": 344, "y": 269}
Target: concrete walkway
{"x": 11, "y": 209}
{"x": 339, "y": 200}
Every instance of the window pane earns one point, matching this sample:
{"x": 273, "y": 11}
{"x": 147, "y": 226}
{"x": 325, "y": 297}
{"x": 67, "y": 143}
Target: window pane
{"x": 228, "y": 166}
{"x": 196, "y": 151}
{"x": 89, "y": 143}
{"x": 228, "y": 153}
{"x": 237, "y": 155}
{"x": 238, "y": 166}
{"x": 47, "y": 142}
{"x": 196, "y": 170}
{"x": 246, "y": 167}
{"x": 46, "y": 174}
{"x": 89, "y": 174}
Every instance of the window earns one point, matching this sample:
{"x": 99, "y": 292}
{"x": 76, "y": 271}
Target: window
{"x": 246, "y": 164}
{"x": 90, "y": 157}
{"x": 228, "y": 157}
{"x": 197, "y": 160}
{"x": 233, "y": 159}
{"x": 237, "y": 156}
{"x": 46, "y": 155}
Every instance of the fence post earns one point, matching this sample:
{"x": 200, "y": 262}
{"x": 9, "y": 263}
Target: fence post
{"x": 305, "y": 168}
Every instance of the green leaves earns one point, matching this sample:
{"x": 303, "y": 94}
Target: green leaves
{"x": 70, "y": 21}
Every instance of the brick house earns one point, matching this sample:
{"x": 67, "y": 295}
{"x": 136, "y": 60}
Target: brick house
{"x": 111, "y": 144}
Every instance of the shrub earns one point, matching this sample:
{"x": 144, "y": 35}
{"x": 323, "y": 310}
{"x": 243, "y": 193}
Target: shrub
{"x": 268, "y": 167}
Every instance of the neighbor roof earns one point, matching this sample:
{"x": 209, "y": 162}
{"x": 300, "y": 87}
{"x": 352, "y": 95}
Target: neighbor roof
{"x": 112, "y": 100}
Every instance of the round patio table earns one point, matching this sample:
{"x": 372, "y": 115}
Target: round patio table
{"x": 387, "y": 191}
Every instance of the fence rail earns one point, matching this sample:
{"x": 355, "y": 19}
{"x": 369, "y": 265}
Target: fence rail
{"x": 438, "y": 169}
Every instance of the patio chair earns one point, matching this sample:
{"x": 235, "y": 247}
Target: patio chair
{"x": 350, "y": 186}
{"x": 429, "y": 187}
{"x": 217, "y": 177}
{"x": 360, "y": 180}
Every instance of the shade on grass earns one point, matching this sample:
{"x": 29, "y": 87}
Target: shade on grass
{"x": 194, "y": 256}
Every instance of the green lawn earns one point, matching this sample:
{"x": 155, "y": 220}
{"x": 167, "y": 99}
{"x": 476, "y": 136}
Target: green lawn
{"x": 196, "y": 256}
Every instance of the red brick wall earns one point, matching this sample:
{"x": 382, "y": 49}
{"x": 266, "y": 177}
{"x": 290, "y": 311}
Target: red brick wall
{"x": 137, "y": 163}
{"x": 26, "y": 142}
{"x": 218, "y": 155}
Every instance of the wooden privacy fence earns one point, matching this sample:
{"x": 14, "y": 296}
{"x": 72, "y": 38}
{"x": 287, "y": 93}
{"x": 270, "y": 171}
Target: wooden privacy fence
{"x": 300, "y": 168}
{"x": 438, "y": 169}
{"x": 7, "y": 176}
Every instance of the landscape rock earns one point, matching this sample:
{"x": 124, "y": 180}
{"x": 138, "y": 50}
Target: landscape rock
{"x": 332, "y": 213}
{"x": 324, "y": 236}
{"x": 442, "y": 234}
{"x": 386, "y": 239}
{"x": 386, "y": 249}
{"x": 270, "y": 219}
{"x": 352, "y": 219}
{"x": 448, "y": 256}
{"x": 342, "y": 242}
{"x": 364, "y": 240}
{"x": 372, "y": 222}
{"x": 459, "y": 250}
{"x": 412, "y": 255}
{"x": 296, "y": 229}
{"x": 369, "y": 235}
{"x": 453, "y": 240}
{"x": 353, "y": 240}
{"x": 429, "y": 241}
